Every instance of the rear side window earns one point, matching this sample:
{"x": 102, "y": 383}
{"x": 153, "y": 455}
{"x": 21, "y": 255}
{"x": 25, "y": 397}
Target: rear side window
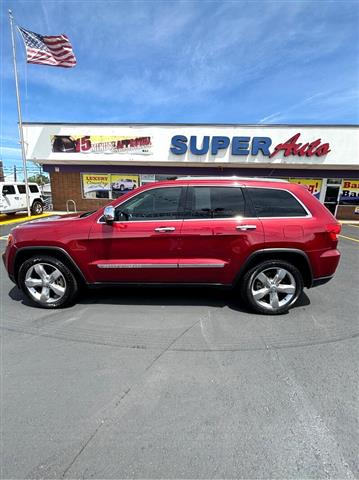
{"x": 215, "y": 202}
{"x": 8, "y": 190}
{"x": 21, "y": 188}
{"x": 33, "y": 189}
{"x": 270, "y": 202}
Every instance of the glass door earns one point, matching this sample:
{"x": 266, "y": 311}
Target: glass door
{"x": 331, "y": 197}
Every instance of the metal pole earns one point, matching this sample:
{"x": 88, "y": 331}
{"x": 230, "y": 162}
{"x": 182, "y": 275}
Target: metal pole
{"x": 19, "y": 115}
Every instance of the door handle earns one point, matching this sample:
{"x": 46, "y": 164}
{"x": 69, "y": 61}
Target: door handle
{"x": 246, "y": 227}
{"x": 165, "y": 229}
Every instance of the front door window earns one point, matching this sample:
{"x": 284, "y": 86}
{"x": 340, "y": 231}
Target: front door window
{"x": 156, "y": 204}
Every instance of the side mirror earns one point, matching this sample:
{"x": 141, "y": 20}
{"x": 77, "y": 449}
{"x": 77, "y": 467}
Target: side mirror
{"x": 109, "y": 214}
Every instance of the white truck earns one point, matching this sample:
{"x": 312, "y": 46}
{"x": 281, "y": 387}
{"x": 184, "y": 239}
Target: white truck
{"x": 13, "y": 198}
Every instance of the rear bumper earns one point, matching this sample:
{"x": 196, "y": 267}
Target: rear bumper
{"x": 324, "y": 263}
{"x": 316, "y": 282}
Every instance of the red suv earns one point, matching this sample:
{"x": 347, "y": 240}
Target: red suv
{"x": 265, "y": 238}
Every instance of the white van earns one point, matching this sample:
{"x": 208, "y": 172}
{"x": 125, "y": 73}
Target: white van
{"x": 13, "y": 198}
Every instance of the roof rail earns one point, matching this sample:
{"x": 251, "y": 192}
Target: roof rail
{"x": 261, "y": 179}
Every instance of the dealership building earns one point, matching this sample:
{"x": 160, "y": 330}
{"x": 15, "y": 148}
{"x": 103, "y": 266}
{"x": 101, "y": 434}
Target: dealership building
{"x": 90, "y": 164}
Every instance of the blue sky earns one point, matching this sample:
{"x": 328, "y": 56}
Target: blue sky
{"x": 186, "y": 61}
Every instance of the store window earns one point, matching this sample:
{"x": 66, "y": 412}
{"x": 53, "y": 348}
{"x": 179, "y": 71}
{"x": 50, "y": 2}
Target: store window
{"x": 110, "y": 186}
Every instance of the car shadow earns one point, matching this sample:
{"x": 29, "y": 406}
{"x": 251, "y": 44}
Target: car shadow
{"x": 161, "y": 296}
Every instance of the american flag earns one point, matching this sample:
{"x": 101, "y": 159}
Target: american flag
{"x": 48, "y": 50}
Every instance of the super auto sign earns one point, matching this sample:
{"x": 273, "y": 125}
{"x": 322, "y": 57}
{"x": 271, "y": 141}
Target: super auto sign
{"x": 180, "y": 144}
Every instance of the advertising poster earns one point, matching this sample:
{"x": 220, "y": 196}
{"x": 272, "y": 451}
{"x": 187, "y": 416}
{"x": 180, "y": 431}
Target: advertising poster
{"x": 96, "y": 185}
{"x": 104, "y": 144}
{"x": 314, "y": 185}
{"x": 349, "y": 192}
{"x": 123, "y": 183}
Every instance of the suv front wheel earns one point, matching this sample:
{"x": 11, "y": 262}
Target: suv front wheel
{"x": 272, "y": 287}
{"x": 47, "y": 282}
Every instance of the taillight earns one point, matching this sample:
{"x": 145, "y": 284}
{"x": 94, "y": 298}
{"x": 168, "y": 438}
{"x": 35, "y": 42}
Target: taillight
{"x": 334, "y": 229}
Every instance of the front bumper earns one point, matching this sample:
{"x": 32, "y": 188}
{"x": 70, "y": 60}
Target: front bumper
{"x": 5, "y": 259}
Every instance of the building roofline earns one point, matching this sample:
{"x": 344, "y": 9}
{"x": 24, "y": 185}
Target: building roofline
{"x": 158, "y": 124}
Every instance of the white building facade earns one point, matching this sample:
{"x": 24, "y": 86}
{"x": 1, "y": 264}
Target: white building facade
{"x": 94, "y": 163}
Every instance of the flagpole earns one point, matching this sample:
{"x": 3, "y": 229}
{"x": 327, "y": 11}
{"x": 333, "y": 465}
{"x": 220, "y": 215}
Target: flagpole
{"x": 21, "y": 133}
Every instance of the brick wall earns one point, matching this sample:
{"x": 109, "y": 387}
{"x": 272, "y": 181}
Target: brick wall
{"x": 67, "y": 186}
{"x": 347, "y": 212}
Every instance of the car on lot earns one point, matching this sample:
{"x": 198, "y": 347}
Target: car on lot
{"x": 265, "y": 239}
{"x": 13, "y": 198}
{"x": 124, "y": 184}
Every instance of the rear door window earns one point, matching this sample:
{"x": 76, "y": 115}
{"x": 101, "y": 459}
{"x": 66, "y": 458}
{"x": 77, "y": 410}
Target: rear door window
{"x": 215, "y": 202}
{"x": 271, "y": 202}
{"x": 34, "y": 189}
{"x": 21, "y": 188}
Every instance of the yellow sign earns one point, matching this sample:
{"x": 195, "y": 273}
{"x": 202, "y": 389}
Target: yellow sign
{"x": 96, "y": 185}
{"x": 350, "y": 192}
{"x": 314, "y": 185}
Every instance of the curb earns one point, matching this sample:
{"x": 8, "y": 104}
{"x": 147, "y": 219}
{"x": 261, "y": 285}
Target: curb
{"x": 25, "y": 218}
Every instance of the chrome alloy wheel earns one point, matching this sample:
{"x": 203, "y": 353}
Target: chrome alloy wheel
{"x": 273, "y": 288}
{"x": 45, "y": 283}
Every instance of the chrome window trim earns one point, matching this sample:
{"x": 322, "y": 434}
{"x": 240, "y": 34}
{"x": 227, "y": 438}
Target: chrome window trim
{"x": 308, "y": 214}
{"x": 143, "y": 221}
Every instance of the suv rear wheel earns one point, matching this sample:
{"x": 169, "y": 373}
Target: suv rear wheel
{"x": 272, "y": 287}
{"x": 37, "y": 208}
{"x": 47, "y": 282}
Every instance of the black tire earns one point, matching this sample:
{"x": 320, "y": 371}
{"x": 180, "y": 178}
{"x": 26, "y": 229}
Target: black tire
{"x": 11, "y": 214}
{"x": 250, "y": 284}
{"x": 122, "y": 187}
{"x": 69, "y": 282}
{"x": 37, "y": 207}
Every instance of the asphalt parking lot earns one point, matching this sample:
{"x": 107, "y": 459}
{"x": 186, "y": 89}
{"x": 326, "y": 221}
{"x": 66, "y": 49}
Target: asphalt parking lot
{"x": 178, "y": 383}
